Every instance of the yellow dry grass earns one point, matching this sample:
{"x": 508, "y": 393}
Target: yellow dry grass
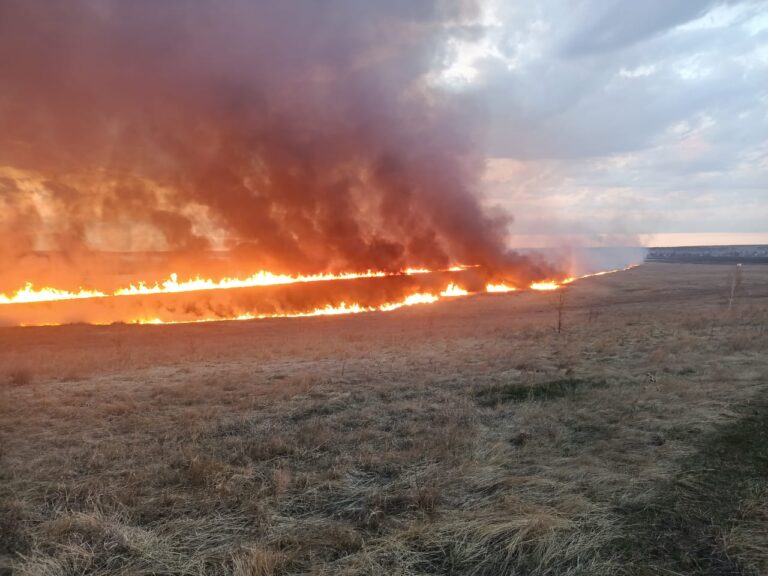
{"x": 465, "y": 437}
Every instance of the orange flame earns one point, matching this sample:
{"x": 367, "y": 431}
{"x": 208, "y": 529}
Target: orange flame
{"x": 555, "y": 284}
{"x": 47, "y": 294}
{"x": 261, "y": 278}
{"x": 173, "y": 285}
{"x": 546, "y": 285}
{"x": 499, "y": 288}
{"x": 328, "y": 310}
{"x": 29, "y": 294}
{"x": 452, "y": 290}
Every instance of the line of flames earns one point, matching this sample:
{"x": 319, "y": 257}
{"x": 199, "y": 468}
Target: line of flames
{"x": 328, "y": 310}
{"x": 453, "y": 290}
{"x": 172, "y": 285}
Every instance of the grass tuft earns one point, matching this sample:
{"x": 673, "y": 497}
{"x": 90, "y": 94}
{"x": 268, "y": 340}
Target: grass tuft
{"x": 20, "y": 377}
{"x": 551, "y": 390}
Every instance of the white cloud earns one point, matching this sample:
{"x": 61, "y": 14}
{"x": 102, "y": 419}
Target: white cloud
{"x": 657, "y": 118}
{"x": 639, "y": 71}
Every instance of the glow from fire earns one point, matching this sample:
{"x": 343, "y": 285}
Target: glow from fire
{"x": 172, "y": 285}
{"x": 30, "y": 294}
{"x": 499, "y": 288}
{"x": 555, "y": 284}
{"x": 261, "y": 278}
{"x": 547, "y": 285}
{"x": 453, "y": 290}
{"x": 328, "y": 310}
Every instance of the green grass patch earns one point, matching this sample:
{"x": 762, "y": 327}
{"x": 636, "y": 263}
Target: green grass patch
{"x": 518, "y": 392}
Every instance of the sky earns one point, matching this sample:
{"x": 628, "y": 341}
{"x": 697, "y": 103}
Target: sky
{"x": 305, "y": 135}
{"x": 613, "y": 121}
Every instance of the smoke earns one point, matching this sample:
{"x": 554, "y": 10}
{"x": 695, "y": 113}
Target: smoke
{"x": 299, "y": 136}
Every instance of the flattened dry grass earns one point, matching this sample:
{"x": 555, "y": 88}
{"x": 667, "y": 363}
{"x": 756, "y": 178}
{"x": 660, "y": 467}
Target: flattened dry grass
{"x": 460, "y": 438}
{"x": 711, "y": 514}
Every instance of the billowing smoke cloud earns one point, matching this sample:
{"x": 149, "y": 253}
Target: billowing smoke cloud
{"x": 298, "y": 135}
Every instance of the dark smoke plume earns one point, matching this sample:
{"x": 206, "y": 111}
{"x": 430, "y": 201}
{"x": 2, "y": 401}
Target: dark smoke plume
{"x": 298, "y": 135}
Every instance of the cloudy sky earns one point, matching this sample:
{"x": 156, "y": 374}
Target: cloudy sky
{"x": 612, "y": 118}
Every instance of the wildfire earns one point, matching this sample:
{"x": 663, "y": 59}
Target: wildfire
{"x": 555, "y": 284}
{"x": 261, "y": 278}
{"x": 29, "y": 294}
{"x": 418, "y": 298}
{"x": 249, "y": 310}
{"x": 548, "y": 285}
{"x": 328, "y": 310}
{"x": 499, "y": 288}
{"x": 453, "y": 290}
{"x": 173, "y": 285}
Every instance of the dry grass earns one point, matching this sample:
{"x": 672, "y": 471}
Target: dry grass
{"x": 461, "y": 438}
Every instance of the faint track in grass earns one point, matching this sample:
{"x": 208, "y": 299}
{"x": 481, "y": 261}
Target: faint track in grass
{"x": 684, "y": 528}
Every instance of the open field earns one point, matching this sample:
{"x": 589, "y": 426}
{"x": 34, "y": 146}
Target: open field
{"x": 464, "y": 437}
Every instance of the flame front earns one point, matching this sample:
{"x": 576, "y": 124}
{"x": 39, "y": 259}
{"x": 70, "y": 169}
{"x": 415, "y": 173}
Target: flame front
{"x": 499, "y": 288}
{"x": 183, "y": 311}
{"x": 29, "y": 294}
{"x": 328, "y": 310}
{"x": 172, "y": 285}
{"x": 452, "y": 291}
{"x": 261, "y": 278}
{"x": 547, "y": 285}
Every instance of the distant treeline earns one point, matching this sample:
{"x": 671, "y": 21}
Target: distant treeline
{"x": 710, "y": 254}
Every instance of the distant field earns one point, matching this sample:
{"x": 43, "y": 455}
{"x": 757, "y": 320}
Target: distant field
{"x": 464, "y": 437}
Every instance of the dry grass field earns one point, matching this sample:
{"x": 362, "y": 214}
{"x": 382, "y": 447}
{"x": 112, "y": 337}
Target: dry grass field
{"x": 464, "y": 438}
